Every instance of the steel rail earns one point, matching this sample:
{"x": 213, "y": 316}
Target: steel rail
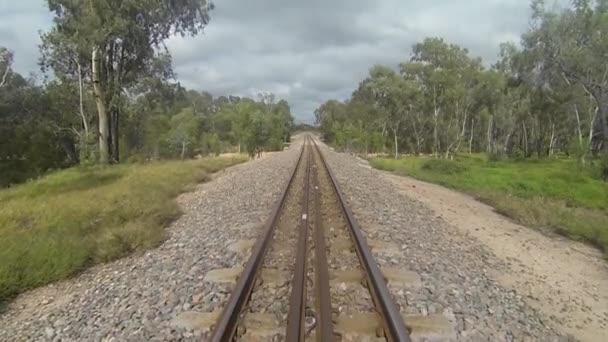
{"x": 225, "y": 329}
{"x": 394, "y": 325}
{"x": 324, "y": 319}
{"x": 297, "y": 304}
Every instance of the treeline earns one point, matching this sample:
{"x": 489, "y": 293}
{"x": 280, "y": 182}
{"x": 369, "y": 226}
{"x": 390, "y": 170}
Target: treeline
{"x": 547, "y": 96}
{"x": 109, "y": 94}
{"x": 42, "y": 128}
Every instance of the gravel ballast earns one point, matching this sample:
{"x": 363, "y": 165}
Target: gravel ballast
{"x": 456, "y": 272}
{"x": 138, "y": 298}
{"x": 156, "y": 296}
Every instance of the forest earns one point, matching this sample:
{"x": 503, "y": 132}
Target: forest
{"x": 109, "y": 95}
{"x": 544, "y": 97}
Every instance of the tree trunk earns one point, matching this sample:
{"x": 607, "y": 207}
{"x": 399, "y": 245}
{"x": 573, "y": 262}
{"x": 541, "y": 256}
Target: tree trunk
{"x": 471, "y": 139}
{"x": 489, "y": 148}
{"x": 396, "y": 143}
{"x": 507, "y": 141}
{"x": 552, "y": 141}
{"x": 183, "y": 154}
{"x": 5, "y": 74}
{"x": 578, "y": 127}
{"x": 85, "y": 123}
{"x": 525, "y": 131}
{"x": 436, "y": 132}
{"x": 461, "y": 136}
{"x": 114, "y": 120}
{"x": 104, "y": 134}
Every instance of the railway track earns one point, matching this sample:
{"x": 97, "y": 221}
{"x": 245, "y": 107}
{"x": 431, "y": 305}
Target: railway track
{"x": 311, "y": 274}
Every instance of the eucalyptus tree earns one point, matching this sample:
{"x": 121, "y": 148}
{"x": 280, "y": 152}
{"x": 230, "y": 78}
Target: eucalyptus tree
{"x": 329, "y": 117}
{"x": 574, "y": 41}
{"x": 184, "y": 132}
{"x": 447, "y": 77}
{"x": 391, "y": 96}
{"x": 112, "y": 44}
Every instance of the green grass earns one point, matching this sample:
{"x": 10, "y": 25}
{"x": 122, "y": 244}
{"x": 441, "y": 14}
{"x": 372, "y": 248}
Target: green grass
{"x": 56, "y": 226}
{"x": 553, "y": 194}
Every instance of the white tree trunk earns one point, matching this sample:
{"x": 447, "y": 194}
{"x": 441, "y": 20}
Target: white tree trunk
{"x": 436, "y": 132}
{"x": 552, "y": 141}
{"x": 85, "y": 123}
{"x": 104, "y": 129}
{"x": 489, "y": 148}
{"x": 578, "y": 127}
{"x": 4, "y": 76}
{"x": 396, "y": 143}
{"x": 523, "y": 124}
{"x": 507, "y": 141}
{"x": 471, "y": 139}
{"x": 462, "y": 133}
{"x": 183, "y": 154}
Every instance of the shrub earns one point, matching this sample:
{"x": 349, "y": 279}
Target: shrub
{"x": 210, "y": 145}
{"x": 443, "y": 166}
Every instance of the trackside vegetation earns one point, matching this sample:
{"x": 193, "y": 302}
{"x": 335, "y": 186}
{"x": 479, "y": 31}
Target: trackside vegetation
{"x": 526, "y": 132}
{"x": 554, "y": 194}
{"x": 60, "y": 224}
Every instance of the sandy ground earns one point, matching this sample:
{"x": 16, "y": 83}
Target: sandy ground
{"x": 566, "y": 280}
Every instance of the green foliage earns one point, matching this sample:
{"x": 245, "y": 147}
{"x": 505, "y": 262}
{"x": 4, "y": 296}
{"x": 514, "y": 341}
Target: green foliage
{"x": 541, "y": 99}
{"x": 257, "y": 126}
{"x": 58, "y": 225}
{"x": 183, "y": 133}
{"x": 32, "y": 137}
{"x": 547, "y": 194}
{"x": 442, "y": 166}
{"x": 604, "y": 168}
{"x": 43, "y": 129}
{"x": 116, "y": 46}
{"x": 211, "y": 144}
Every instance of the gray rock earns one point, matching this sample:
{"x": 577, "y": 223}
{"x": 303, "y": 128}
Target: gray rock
{"x": 455, "y": 269}
{"x": 134, "y": 297}
{"x": 49, "y": 332}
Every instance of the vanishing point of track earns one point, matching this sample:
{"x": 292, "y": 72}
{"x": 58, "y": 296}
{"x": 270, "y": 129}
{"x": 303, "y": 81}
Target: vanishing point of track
{"x": 313, "y": 302}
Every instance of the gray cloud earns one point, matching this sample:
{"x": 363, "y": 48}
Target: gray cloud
{"x": 304, "y": 51}
{"x": 20, "y": 22}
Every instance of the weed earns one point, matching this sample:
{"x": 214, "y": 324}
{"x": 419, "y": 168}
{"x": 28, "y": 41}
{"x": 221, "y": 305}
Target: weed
{"x": 442, "y": 166}
{"x": 551, "y": 194}
{"x": 57, "y": 226}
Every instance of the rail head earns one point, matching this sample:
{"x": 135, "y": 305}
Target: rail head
{"x": 226, "y": 326}
{"x": 395, "y": 328}
{"x": 297, "y": 303}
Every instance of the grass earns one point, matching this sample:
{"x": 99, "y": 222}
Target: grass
{"x": 55, "y": 227}
{"x": 553, "y": 194}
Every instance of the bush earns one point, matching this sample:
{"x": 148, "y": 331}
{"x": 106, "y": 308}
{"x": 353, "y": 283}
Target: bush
{"x": 443, "y": 166}
{"x": 604, "y": 168}
{"x": 210, "y": 145}
{"x": 275, "y": 144}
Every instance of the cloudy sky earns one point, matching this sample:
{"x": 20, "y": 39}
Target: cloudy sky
{"x": 303, "y": 51}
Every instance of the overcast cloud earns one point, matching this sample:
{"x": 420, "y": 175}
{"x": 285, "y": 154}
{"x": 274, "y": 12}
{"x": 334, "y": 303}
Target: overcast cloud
{"x": 303, "y": 51}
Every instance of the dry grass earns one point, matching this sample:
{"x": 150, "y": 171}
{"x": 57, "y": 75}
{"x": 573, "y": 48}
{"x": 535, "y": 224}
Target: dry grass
{"x": 58, "y": 225}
